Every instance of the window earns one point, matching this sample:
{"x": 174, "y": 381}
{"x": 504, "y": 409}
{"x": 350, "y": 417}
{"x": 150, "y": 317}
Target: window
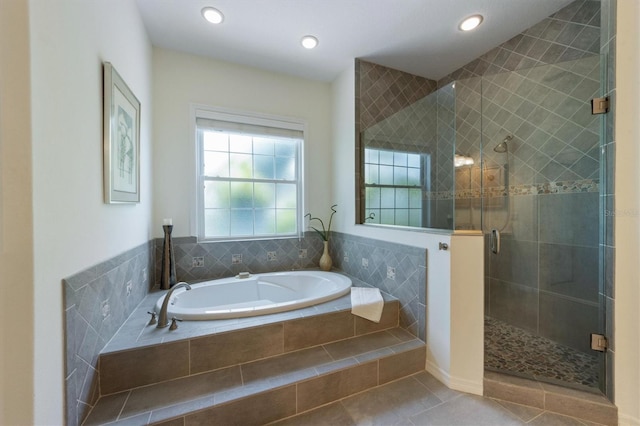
{"x": 394, "y": 184}
{"x": 250, "y": 176}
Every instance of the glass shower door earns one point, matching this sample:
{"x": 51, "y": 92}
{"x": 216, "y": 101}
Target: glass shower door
{"x": 541, "y": 219}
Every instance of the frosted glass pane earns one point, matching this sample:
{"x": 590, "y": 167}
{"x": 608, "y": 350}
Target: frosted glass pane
{"x": 286, "y": 221}
{"x": 263, "y": 167}
{"x": 265, "y": 223}
{"x": 386, "y": 175}
{"x": 240, "y": 143}
{"x": 215, "y": 141}
{"x": 400, "y": 159}
{"x": 413, "y": 177}
{"x": 263, "y": 146}
{"x": 415, "y": 198}
{"x": 241, "y": 222}
{"x": 286, "y": 149}
{"x": 373, "y": 175}
{"x": 402, "y": 217}
{"x": 399, "y": 175}
{"x": 415, "y": 217}
{"x": 402, "y": 198}
{"x": 387, "y": 198}
{"x": 413, "y": 160}
{"x": 386, "y": 157}
{"x": 372, "y": 198}
{"x": 216, "y": 164}
{"x": 216, "y": 195}
{"x": 387, "y": 216}
{"x": 286, "y": 196}
{"x": 241, "y": 166}
{"x": 264, "y": 195}
{"x": 241, "y": 194}
{"x": 285, "y": 168}
{"x": 216, "y": 223}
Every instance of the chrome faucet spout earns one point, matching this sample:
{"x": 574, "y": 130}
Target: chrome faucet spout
{"x": 163, "y": 321}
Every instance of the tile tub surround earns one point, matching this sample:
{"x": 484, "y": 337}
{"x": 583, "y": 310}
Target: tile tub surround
{"x": 98, "y": 300}
{"x": 292, "y": 364}
{"x": 199, "y": 261}
{"x": 397, "y": 269}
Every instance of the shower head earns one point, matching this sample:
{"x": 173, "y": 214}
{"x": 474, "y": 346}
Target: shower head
{"x": 502, "y": 146}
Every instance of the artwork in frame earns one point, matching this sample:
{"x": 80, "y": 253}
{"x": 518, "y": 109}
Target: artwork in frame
{"x": 121, "y": 140}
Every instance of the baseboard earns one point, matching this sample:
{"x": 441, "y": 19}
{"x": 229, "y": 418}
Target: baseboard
{"x": 453, "y": 382}
{"x": 625, "y": 420}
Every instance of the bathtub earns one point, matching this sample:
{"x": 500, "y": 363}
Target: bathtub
{"x": 256, "y": 295}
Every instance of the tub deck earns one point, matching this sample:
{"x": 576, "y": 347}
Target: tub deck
{"x": 279, "y": 364}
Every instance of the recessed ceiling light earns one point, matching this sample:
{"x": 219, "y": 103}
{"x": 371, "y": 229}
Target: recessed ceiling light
{"x": 212, "y": 15}
{"x": 470, "y": 23}
{"x": 309, "y": 42}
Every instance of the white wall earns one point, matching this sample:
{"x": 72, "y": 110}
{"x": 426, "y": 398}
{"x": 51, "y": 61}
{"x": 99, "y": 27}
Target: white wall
{"x": 181, "y": 80}
{"x": 73, "y": 228}
{"x": 627, "y": 205}
{"x": 16, "y": 229}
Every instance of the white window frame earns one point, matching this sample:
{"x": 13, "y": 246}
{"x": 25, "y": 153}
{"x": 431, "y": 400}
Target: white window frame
{"x": 258, "y": 119}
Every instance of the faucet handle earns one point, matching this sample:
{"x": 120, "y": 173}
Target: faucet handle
{"x": 153, "y": 318}
{"x": 174, "y": 324}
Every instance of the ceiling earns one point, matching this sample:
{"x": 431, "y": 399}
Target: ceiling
{"x": 415, "y": 36}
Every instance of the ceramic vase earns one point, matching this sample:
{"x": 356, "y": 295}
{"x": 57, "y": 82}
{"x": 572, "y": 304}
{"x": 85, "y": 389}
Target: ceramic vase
{"x": 325, "y": 259}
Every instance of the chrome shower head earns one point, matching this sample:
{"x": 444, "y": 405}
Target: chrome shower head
{"x": 502, "y": 147}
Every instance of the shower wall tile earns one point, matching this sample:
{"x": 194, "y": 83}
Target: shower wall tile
{"x": 568, "y": 321}
{"x": 524, "y": 223}
{"x": 569, "y": 270}
{"x": 516, "y": 263}
{"x": 515, "y": 304}
{"x": 571, "y": 33}
{"x": 569, "y": 219}
{"x": 97, "y": 302}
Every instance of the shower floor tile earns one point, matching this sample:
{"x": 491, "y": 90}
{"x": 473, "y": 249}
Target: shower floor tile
{"x": 513, "y": 350}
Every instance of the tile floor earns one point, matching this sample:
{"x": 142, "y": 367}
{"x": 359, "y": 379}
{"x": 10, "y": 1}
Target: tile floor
{"x": 421, "y": 400}
{"x": 514, "y": 350}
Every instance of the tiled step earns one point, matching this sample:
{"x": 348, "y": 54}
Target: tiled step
{"x": 268, "y": 389}
{"x": 582, "y": 404}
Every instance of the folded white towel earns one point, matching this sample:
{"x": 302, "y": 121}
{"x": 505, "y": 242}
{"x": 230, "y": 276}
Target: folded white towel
{"x": 367, "y": 303}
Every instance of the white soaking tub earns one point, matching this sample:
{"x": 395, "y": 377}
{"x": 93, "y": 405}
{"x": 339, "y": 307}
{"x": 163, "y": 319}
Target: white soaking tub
{"x": 256, "y": 295}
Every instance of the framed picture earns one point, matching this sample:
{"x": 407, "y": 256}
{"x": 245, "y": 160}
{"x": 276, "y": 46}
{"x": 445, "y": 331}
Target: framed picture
{"x": 121, "y": 140}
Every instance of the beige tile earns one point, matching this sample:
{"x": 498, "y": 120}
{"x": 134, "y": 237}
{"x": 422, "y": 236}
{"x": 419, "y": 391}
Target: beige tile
{"x": 329, "y": 388}
{"x": 306, "y": 332}
{"x": 285, "y": 364}
{"x": 552, "y": 419}
{"x": 516, "y": 390}
{"x": 512, "y": 380}
{"x": 402, "y": 334}
{"x": 329, "y": 415}
{"x": 361, "y": 344}
{"x": 107, "y": 409}
{"x": 467, "y": 410}
{"x": 402, "y": 364}
{"x": 592, "y": 395}
{"x": 606, "y": 414}
{"x": 144, "y": 366}
{"x": 175, "y": 422}
{"x": 226, "y": 349}
{"x": 389, "y": 319}
{"x": 391, "y": 403}
{"x": 438, "y": 388}
{"x": 255, "y": 410}
{"x": 524, "y": 412}
{"x": 181, "y": 390}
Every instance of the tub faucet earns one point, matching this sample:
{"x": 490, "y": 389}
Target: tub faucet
{"x": 163, "y": 321}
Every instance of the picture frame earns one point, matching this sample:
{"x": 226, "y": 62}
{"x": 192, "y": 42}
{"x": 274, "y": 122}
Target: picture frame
{"x": 121, "y": 139}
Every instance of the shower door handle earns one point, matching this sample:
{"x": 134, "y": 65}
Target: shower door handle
{"x": 495, "y": 241}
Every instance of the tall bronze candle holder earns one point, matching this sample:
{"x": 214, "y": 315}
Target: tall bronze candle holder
{"x": 168, "y": 274}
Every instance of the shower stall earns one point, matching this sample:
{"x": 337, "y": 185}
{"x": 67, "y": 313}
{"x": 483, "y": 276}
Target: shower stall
{"x": 533, "y": 189}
